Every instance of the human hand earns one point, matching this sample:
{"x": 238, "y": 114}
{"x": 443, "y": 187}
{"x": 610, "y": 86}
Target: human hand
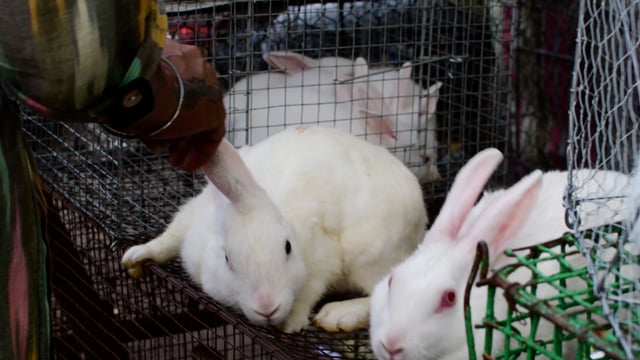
{"x": 199, "y": 127}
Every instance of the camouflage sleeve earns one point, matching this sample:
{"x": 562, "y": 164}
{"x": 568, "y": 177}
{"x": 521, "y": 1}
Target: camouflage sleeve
{"x": 24, "y": 309}
{"x": 63, "y": 58}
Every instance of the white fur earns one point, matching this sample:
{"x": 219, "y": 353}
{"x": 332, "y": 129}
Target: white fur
{"x": 403, "y": 316}
{"x": 349, "y": 209}
{"x": 385, "y": 106}
{"x": 633, "y": 212}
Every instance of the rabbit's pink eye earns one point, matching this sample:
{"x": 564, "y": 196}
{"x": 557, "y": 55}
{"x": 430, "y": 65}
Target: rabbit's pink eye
{"x": 447, "y": 300}
{"x": 425, "y": 159}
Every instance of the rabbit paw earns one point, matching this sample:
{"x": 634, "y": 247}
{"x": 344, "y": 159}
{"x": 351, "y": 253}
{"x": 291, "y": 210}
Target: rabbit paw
{"x": 348, "y": 315}
{"x": 296, "y": 322}
{"x": 133, "y": 258}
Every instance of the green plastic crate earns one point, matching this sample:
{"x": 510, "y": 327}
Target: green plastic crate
{"x": 576, "y": 313}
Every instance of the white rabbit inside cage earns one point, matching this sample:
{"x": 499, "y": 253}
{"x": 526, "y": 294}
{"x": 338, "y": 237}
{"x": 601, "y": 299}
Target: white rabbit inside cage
{"x": 335, "y": 212}
{"x": 384, "y": 71}
{"x": 384, "y": 105}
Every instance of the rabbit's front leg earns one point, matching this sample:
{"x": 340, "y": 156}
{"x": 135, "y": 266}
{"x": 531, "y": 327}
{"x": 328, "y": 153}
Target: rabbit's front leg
{"x": 160, "y": 250}
{"x": 347, "y": 315}
{"x": 164, "y": 247}
{"x": 298, "y": 318}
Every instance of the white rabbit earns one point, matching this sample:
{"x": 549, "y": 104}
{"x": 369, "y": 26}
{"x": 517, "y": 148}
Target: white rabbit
{"x": 263, "y": 104}
{"x": 417, "y": 309}
{"x": 393, "y": 105}
{"x": 387, "y": 108}
{"x": 270, "y": 101}
{"x": 350, "y": 211}
{"x": 408, "y": 114}
{"x": 325, "y": 70}
{"x": 296, "y": 70}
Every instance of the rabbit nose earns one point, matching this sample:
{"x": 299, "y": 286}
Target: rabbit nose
{"x": 267, "y": 314}
{"x": 392, "y": 349}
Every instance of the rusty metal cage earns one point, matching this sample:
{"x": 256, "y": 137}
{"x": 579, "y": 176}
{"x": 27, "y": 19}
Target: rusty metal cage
{"x": 112, "y": 193}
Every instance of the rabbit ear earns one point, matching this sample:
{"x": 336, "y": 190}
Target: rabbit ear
{"x": 360, "y": 68}
{"x": 429, "y": 102}
{"x": 290, "y": 62}
{"x": 372, "y": 107}
{"x": 504, "y": 216}
{"x": 464, "y": 192}
{"x": 344, "y": 91}
{"x": 378, "y": 124}
{"x": 405, "y": 70}
{"x": 369, "y": 98}
{"x": 405, "y": 85}
{"x": 434, "y": 89}
{"x": 228, "y": 173}
{"x": 371, "y": 104}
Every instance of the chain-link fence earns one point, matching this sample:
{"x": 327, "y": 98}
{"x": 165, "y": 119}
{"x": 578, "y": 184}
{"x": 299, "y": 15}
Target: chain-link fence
{"x": 604, "y": 136}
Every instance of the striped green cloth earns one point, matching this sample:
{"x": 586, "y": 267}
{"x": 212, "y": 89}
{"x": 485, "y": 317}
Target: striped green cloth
{"x": 62, "y": 58}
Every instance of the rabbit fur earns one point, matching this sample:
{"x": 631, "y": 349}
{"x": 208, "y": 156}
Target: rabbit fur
{"x": 632, "y": 219}
{"x": 339, "y": 212}
{"x": 385, "y": 107}
{"x": 417, "y": 309}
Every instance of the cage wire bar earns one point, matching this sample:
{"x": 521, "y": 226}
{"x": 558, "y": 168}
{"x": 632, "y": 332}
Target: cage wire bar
{"x": 113, "y": 193}
{"x": 604, "y": 135}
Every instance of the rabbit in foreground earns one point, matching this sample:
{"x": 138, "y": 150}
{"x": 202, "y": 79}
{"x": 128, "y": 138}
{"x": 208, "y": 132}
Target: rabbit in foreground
{"x": 386, "y": 107}
{"x": 339, "y": 213}
{"x": 417, "y": 309}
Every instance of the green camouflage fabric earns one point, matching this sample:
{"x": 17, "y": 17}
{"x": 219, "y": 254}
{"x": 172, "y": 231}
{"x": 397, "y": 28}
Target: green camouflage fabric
{"x": 63, "y": 59}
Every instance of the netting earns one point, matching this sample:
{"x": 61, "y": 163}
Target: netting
{"x": 604, "y": 136}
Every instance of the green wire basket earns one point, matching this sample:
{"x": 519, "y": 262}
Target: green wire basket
{"x": 577, "y": 315}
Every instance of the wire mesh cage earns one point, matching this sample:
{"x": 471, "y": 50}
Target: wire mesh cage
{"x": 99, "y": 313}
{"x": 447, "y": 41}
{"x": 604, "y": 136}
{"x": 113, "y": 193}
